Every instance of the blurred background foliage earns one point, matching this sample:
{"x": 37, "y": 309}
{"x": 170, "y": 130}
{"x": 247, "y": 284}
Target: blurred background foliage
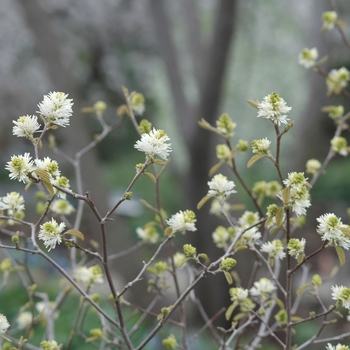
{"x": 191, "y": 59}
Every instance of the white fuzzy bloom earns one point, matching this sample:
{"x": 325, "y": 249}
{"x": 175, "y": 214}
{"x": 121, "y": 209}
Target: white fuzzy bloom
{"x": 296, "y": 247}
{"x": 154, "y": 144}
{"x": 49, "y": 165}
{"x": 274, "y": 249}
{"x": 216, "y": 208}
{"x": 62, "y": 207}
{"x": 337, "y": 80}
{"x": 221, "y": 236}
{"x": 340, "y": 145}
{"x": 63, "y": 182}
{"x": 329, "y": 21}
{"x": 89, "y": 275}
{"x": 248, "y": 219}
{"x": 26, "y": 126}
{"x": 337, "y": 347}
{"x": 341, "y": 294}
{"x": 274, "y": 107}
{"x": 19, "y": 167}
{"x": 56, "y": 108}
{"x": 238, "y": 295}
{"x": 4, "y": 325}
{"x": 220, "y": 187}
{"x": 313, "y": 166}
{"x": 262, "y": 288}
{"x": 330, "y": 228}
{"x": 308, "y": 57}
{"x": 295, "y": 180}
{"x": 250, "y": 237}
{"x": 13, "y": 202}
{"x": 179, "y": 259}
{"x": 51, "y": 233}
{"x": 148, "y": 234}
{"x": 183, "y": 221}
{"x": 261, "y": 146}
{"x": 24, "y": 319}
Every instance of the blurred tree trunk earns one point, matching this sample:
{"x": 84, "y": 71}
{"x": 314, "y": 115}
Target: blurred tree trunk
{"x": 209, "y": 65}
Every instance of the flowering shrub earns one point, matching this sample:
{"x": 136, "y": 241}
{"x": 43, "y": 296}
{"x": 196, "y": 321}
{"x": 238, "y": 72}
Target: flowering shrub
{"x": 265, "y": 311}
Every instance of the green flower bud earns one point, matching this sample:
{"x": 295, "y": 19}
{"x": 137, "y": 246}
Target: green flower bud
{"x": 223, "y": 153}
{"x": 100, "y": 106}
{"x": 189, "y": 250}
{"x": 225, "y": 126}
{"x": 316, "y": 280}
{"x": 242, "y": 146}
{"x": 281, "y": 317}
{"x": 170, "y": 342}
{"x": 145, "y": 126}
{"x": 160, "y": 266}
{"x": 227, "y": 264}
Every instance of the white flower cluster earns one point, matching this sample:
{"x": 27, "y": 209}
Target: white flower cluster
{"x": 56, "y": 108}
{"x": 22, "y": 168}
{"x": 341, "y": 295}
{"x": 13, "y": 202}
{"x": 331, "y": 228}
{"x": 299, "y": 196}
{"x": 337, "y": 80}
{"x": 89, "y": 275}
{"x": 274, "y": 249}
{"x": 154, "y": 144}
{"x": 252, "y": 235}
{"x": 148, "y": 234}
{"x": 262, "y": 288}
{"x": 183, "y": 221}
{"x": 51, "y": 233}
{"x": 308, "y": 57}
{"x": 274, "y": 107}
{"x": 220, "y": 187}
{"x": 4, "y": 325}
{"x": 337, "y": 347}
{"x": 340, "y": 145}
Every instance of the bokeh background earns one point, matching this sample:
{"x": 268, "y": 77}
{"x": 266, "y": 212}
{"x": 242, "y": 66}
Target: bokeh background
{"x": 191, "y": 59}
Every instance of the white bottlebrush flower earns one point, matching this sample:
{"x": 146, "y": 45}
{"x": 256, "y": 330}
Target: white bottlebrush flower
{"x": 299, "y": 200}
{"x": 26, "y": 126}
{"x": 20, "y": 167}
{"x": 183, "y": 221}
{"x": 261, "y": 146}
{"x": 220, "y": 187}
{"x": 296, "y": 247}
{"x": 274, "y": 107}
{"x": 63, "y": 182}
{"x": 337, "y": 80}
{"x": 154, "y": 144}
{"x": 308, "y": 57}
{"x": 238, "y": 295}
{"x": 89, "y": 275}
{"x": 313, "y": 166}
{"x": 337, "y": 347}
{"x": 329, "y": 20}
{"x": 330, "y": 228}
{"x": 342, "y": 295}
{"x": 250, "y": 237}
{"x": 13, "y": 202}
{"x": 24, "y": 319}
{"x": 295, "y": 180}
{"x": 274, "y": 249}
{"x": 4, "y": 325}
{"x": 56, "y": 108}
{"x": 148, "y": 234}
{"x": 248, "y": 219}
{"x": 340, "y": 145}
{"x": 51, "y": 233}
{"x": 262, "y": 288}
{"x": 221, "y": 236}
{"x": 49, "y": 165}
{"x": 62, "y": 207}
{"x": 216, "y": 208}
{"x": 179, "y": 259}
